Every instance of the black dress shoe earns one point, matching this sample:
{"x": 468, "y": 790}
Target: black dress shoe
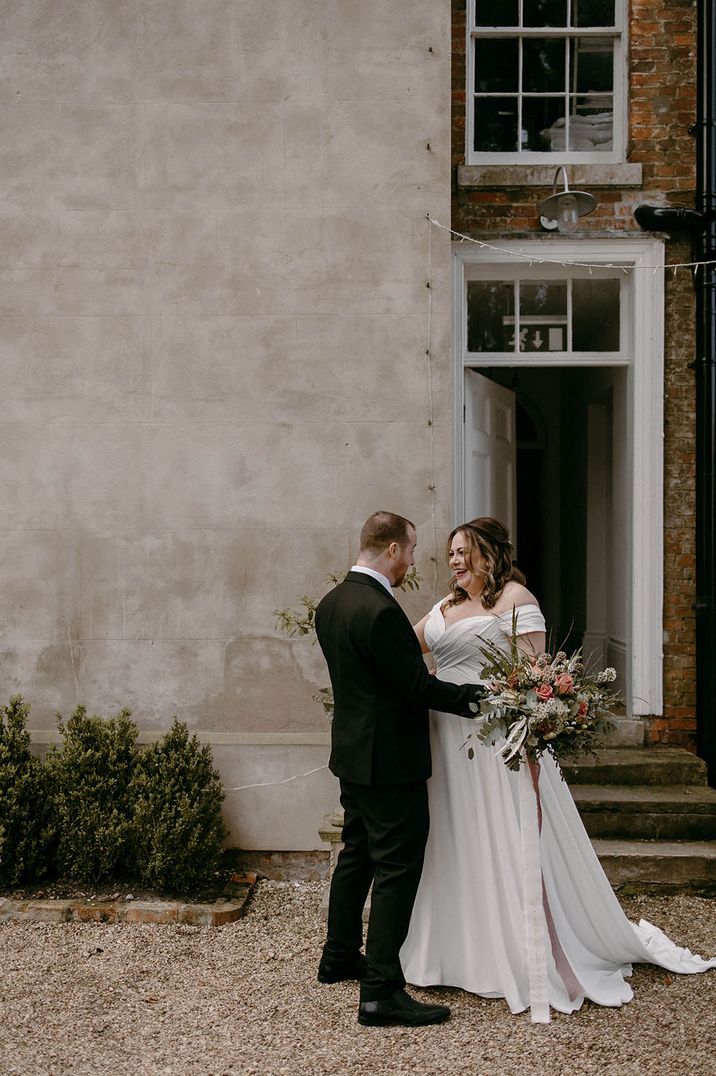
{"x": 340, "y": 973}
{"x": 400, "y": 1008}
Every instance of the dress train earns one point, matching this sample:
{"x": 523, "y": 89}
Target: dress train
{"x": 544, "y": 936}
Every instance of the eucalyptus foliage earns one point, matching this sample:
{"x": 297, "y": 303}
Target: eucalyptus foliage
{"x": 300, "y": 622}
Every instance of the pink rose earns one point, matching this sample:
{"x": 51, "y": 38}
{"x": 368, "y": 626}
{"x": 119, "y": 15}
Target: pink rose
{"x": 564, "y": 684}
{"x": 544, "y": 692}
{"x": 582, "y": 715}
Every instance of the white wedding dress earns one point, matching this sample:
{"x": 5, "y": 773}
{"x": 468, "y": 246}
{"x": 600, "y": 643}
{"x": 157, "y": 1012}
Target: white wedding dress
{"x": 472, "y": 924}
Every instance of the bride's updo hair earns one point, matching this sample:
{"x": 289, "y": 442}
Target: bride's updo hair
{"x": 489, "y": 537}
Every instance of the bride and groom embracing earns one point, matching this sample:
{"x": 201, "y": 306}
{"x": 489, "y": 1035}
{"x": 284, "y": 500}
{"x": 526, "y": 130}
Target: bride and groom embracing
{"x": 445, "y": 858}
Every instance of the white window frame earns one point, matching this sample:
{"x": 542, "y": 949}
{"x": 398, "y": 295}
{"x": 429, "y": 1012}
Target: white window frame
{"x": 645, "y": 378}
{"x": 619, "y": 32}
{"x": 555, "y": 273}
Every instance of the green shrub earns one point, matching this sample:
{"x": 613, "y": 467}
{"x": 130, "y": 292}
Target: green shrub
{"x": 25, "y": 828}
{"x": 90, "y": 779}
{"x": 177, "y": 796}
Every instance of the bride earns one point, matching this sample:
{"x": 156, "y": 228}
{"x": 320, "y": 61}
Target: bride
{"x": 477, "y": 922}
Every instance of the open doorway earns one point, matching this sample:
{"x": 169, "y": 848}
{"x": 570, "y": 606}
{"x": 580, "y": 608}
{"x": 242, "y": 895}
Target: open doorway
{"x": 554, "y": 440}
{"x": 558, "y": 393}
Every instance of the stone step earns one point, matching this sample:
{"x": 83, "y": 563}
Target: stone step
{"x": 643, "y": 866}
{"x": 662, "y": 866}
{"x": 648, "y": 812}
{"x": 638, "y": 766}
{"x": 626, "y": 732}
{"x": 633, "y": 865}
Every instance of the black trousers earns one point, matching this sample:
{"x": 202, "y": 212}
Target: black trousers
{"x": 384, "y": 833}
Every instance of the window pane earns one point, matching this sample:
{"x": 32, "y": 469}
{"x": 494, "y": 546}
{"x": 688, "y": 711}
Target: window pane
{"x": 545, "y": 12}
{"x": 543, "y": 297}
{"x": 496, "y": 124}
{"x": 490, "y": 315}
{"x": 593, "y": 104}
{"x": 496, "y": 66}
{"x": 595, "y": 315}
{"x": 543, "y": 65}
{"x": 543, "y": 123}
{"x": 543, "y": 315}
{"x": 591, "y": 130}
{"x": 592, "y": 64}
{"x": 593, "y": 12}
{"x": 496, "y": 13}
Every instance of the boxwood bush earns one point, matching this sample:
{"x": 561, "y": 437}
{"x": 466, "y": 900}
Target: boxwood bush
{"x": 99, "y": 809}
{"x": 26, "y": 831}
{"x": 176, "y": 795}
{"x": 90, "y": 777}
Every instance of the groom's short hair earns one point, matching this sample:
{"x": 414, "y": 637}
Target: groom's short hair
{"x": 383, "y": 528}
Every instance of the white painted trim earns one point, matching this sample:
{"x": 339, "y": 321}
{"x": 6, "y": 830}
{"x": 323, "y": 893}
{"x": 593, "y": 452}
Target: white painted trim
{"x": 470, "y": 82}
{"x": 645, "y": 392}
{"x": 647, "y": 454}
{"x": 620, "y": 113}
{"x": 458, "y": 394}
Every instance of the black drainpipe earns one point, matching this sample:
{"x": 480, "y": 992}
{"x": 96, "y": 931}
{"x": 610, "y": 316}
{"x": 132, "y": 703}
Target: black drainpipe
{"x": 705, "y": 368}
{"x": 702, "y": 221}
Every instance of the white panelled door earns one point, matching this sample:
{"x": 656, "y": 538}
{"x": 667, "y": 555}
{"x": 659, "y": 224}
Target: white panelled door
{"x": 491, "y": 455}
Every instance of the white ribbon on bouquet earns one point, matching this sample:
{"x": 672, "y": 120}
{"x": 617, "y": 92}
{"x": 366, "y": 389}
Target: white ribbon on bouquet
{"x": 515, "y": 741}
{"x": 538, "y": 921}
{"x": 534, "y": 917}
{"x": 534, "y": 910}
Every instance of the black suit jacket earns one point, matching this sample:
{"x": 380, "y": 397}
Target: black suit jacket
{"x": 381, "y": 687}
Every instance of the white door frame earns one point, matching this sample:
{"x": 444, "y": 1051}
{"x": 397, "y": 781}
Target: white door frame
{"x": 643, "y": 260}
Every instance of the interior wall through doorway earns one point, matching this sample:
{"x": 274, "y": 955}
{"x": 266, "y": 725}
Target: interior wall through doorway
{"x": 572, "y": 535}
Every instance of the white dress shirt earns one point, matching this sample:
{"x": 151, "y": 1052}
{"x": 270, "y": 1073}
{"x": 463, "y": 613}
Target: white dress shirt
{"x": 376, "y": 575}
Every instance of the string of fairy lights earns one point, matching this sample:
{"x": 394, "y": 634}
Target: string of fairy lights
{"x": 531, "y": 258}
{"x": 431, "y": 416}
{"x": 539, "y": 259}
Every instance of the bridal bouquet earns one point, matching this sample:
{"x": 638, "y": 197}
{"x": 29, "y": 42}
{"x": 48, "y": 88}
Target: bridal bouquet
{"x": 542, "y": 703}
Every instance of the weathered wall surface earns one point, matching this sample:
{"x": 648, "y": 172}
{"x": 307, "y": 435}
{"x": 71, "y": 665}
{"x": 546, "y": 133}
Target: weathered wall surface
{"x": 213, "y": 334}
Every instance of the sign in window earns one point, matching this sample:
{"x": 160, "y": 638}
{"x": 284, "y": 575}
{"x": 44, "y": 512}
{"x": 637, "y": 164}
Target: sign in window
{"x": 577, "y": 315}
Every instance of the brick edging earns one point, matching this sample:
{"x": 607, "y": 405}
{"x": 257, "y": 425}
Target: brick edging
{"x": 135, "y": 911}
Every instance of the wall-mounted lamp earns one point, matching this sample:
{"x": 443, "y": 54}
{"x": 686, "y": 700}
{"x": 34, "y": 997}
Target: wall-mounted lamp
{"x": 562, "y": 211}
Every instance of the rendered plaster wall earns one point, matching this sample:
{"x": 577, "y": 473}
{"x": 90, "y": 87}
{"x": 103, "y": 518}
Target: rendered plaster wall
{"x": 213, "y": 333}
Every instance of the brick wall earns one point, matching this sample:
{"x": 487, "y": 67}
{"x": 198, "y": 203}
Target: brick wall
{"x": 662, "y": 95}
{"x": 678, "y": 724}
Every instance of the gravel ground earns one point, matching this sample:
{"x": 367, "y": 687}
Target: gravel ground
{"x": 90, "y": 999}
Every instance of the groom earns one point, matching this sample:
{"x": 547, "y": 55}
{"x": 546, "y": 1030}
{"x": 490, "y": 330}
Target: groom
{"x": 381, "y": 752}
